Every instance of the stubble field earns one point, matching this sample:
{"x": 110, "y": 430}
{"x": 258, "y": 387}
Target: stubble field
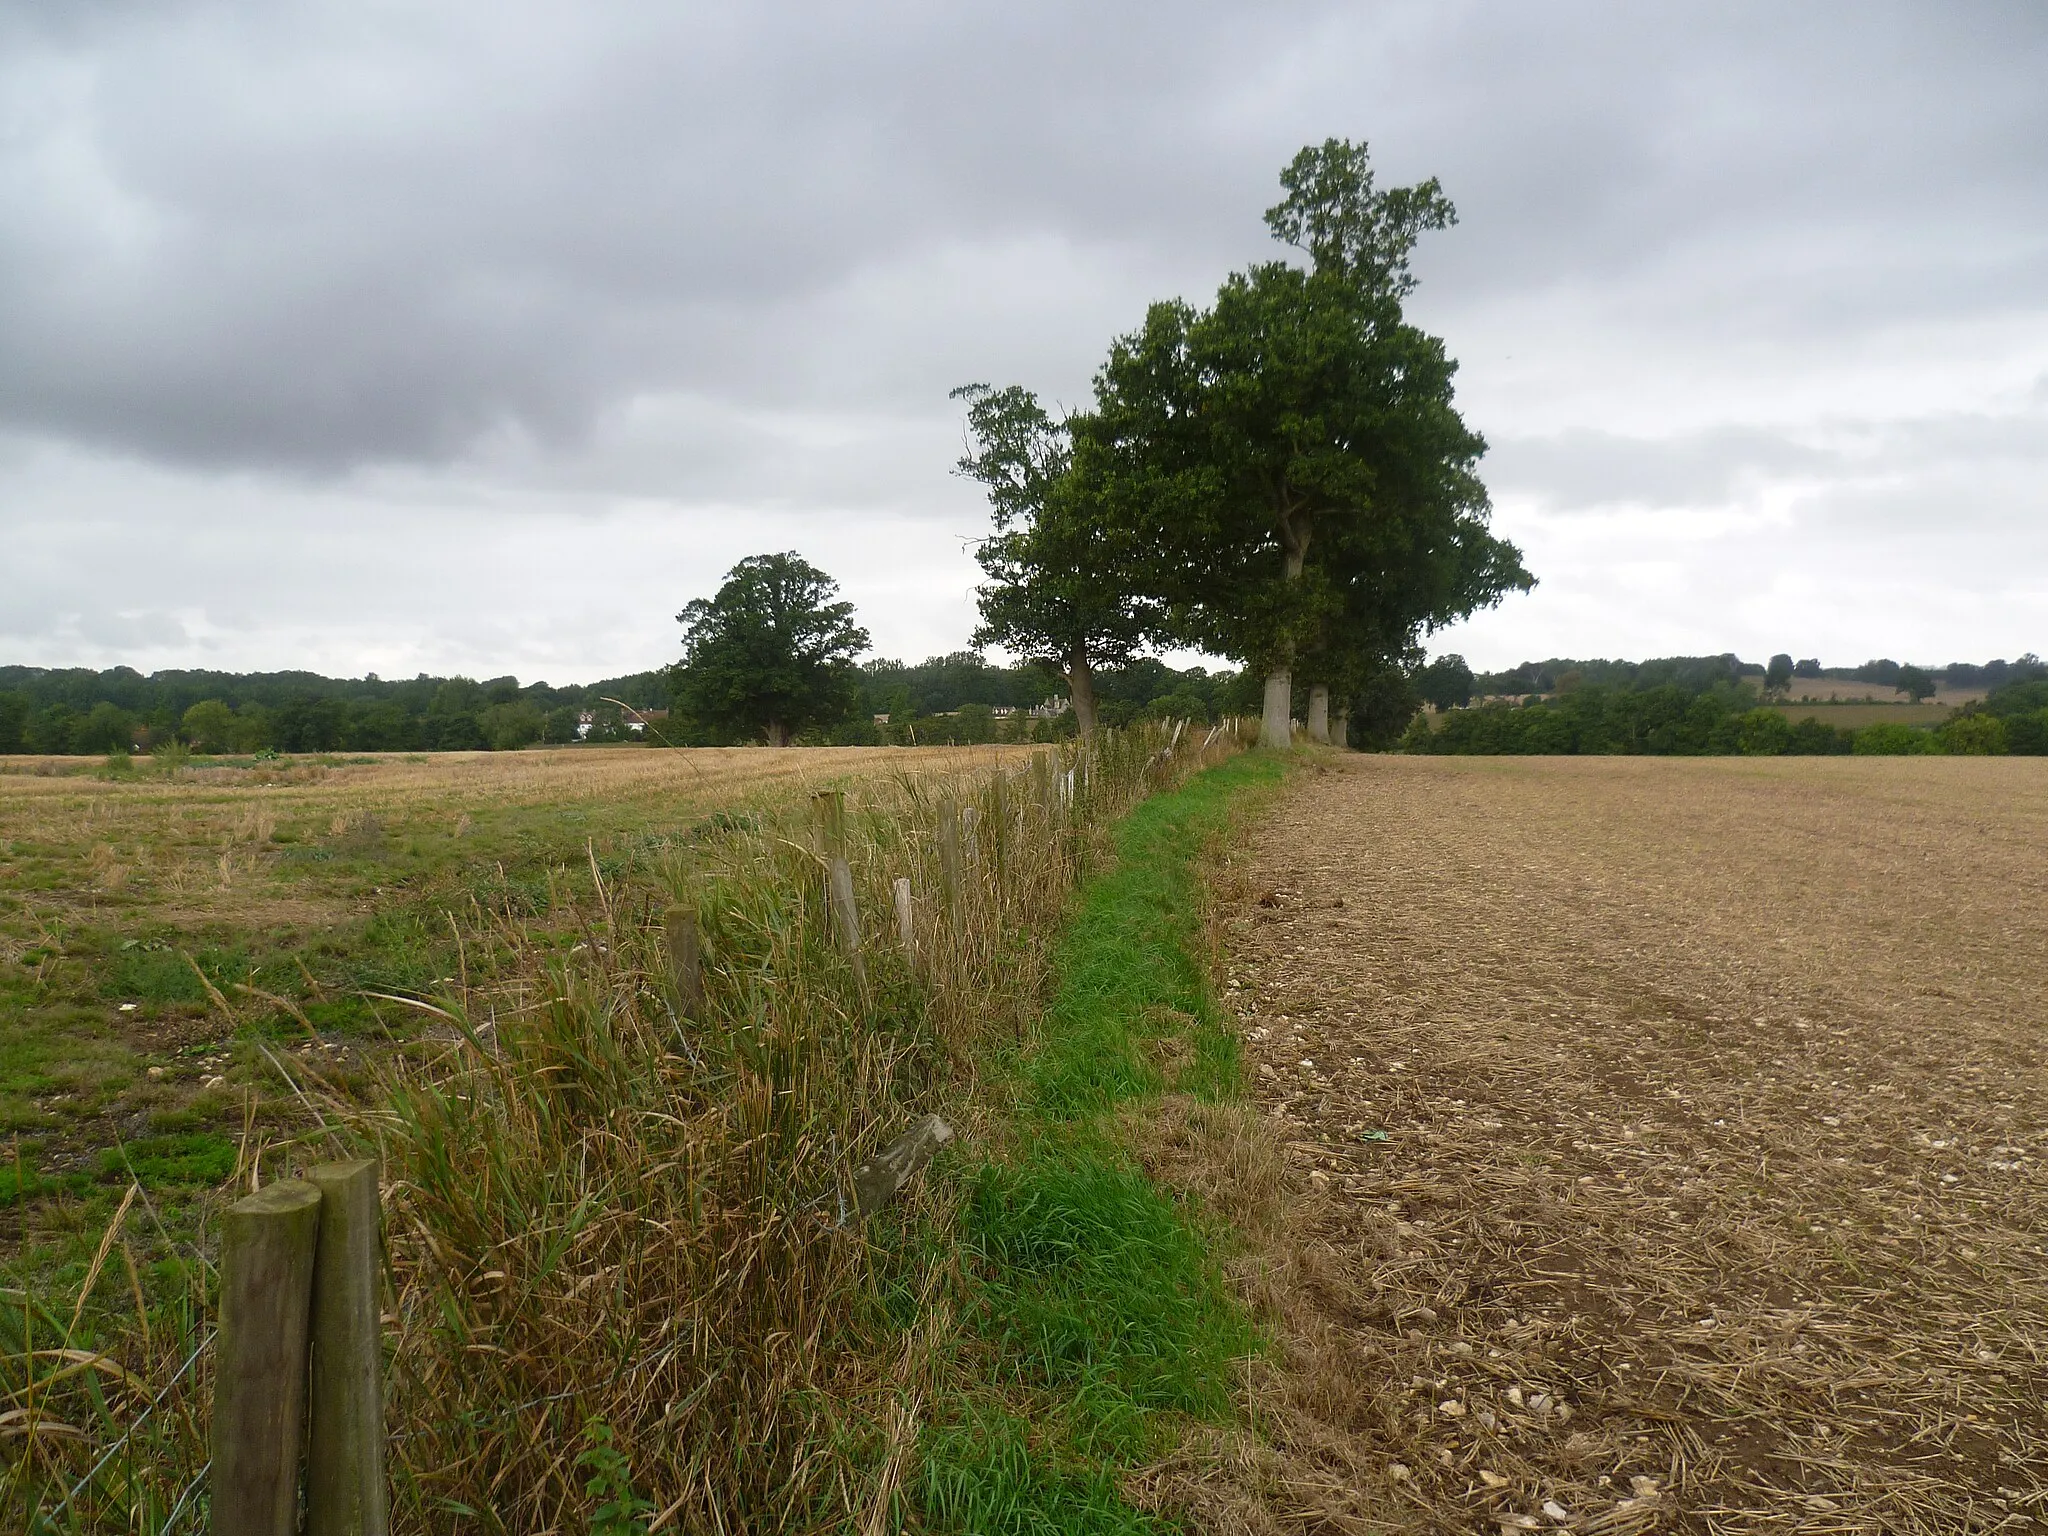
{"x": 159, "y": 932}
{"x": 1670, "y": 1139}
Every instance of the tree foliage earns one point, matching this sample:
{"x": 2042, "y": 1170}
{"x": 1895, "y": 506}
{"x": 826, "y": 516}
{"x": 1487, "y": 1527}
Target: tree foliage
{"x": 1445, "y": 683}
{"x": 1294, "y": 450}
{"x": 1060, "y": 588}
{"x": 771, "y": 654}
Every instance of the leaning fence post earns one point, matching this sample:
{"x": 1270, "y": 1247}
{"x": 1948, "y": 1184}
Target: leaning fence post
{"x": 259, "y": 1384}
{"x": 685, "y": 960}
{"x": 345, "y": 1493}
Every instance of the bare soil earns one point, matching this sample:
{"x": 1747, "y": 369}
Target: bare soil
{"x": 1667, "y": 1138}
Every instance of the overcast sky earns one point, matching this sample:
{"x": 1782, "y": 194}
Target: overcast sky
{"x": 480, "y": 337}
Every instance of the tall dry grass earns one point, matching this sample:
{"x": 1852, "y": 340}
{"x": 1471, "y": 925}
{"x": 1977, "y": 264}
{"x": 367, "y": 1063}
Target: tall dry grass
{"x": 622, "y": 1228}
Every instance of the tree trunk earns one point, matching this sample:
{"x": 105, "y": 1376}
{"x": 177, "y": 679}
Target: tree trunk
{"x": 1340, "y": 728}
{"x": 1319, "y": 714}
{"x": 1081, "y": 689}
{"x": 1277, "y": 729}
{"x": 778, "y": 734}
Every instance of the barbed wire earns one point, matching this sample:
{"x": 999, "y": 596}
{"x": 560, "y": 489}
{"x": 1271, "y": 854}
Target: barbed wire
{"x": 129, "y": 1434}
{"x": 178, "y": 1508}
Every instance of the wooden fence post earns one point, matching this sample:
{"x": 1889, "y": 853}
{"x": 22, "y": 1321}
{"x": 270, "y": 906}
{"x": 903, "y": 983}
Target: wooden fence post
{"x": 829, "y": 808}
{"x": 345, "y": 1491}
{"x": 685, "y": 960}
{"x": 839, "y": 893}
{"x": 259, "y": 1384}
{"x": 906, "y": 929}
{"x": 998, "y": 826}
{"x": 949, "y": 860}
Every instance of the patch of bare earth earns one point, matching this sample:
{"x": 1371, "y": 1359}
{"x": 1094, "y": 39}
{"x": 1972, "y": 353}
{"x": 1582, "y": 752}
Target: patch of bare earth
{"x": 1667, "y": 1142}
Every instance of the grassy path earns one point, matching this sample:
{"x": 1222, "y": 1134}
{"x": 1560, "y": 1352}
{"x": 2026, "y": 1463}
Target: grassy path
{"x": 1102, "y": 1317}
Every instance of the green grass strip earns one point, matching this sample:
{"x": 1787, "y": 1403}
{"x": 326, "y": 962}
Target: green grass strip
{"x": 1099, "y": 1294}
{"x": 1129, "y": 964}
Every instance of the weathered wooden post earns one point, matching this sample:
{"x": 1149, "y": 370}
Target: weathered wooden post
{"x": 906, "y": 930}
{"x": 949, "y": 859}
{"x": 259, "y": 1385}
{"x": 998, "y": 825}
{"x": 345, "y": 1491}
{"x": 685, "y": 960}
{"x": 876, "y": 1182}
{"x": 828, "y": 807}
{"x": 846, "y": 916}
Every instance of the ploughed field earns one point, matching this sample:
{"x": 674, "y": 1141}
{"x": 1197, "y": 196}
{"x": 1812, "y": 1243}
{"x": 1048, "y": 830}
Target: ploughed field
{"x": 159, "y": 933}
{"x": 1673, "y": 1132}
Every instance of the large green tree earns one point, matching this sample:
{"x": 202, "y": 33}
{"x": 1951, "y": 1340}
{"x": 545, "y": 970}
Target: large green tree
{"x": 1060, "y": 588}
{"x": 1295, "y": 452}
{"x": 772, "y": 654}
{"x": 209, "y": 725}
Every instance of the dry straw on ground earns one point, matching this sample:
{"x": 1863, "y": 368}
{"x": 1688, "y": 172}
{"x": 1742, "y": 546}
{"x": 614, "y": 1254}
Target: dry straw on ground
{"x": 1667, "y": 1148}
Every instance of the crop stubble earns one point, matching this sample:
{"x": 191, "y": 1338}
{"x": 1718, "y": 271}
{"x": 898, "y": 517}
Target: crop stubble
{"x": 1712, "y": 1194}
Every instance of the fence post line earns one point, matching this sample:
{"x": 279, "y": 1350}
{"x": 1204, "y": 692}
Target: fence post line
{"x": 685, "y": 960}
{"x": 259, "y": 1385}
{"x": 345, "y": 1490}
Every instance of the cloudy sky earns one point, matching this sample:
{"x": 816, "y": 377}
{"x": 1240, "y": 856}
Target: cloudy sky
{"x": 459, "y": 336}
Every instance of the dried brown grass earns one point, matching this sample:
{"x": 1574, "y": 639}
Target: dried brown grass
{"x": 1713, "y": 1192}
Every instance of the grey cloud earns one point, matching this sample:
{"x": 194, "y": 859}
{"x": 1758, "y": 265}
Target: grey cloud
{"x": 305, "y": 307}
{"x": 315, "y": 236}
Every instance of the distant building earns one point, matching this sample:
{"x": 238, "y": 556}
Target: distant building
{"x": 636, "y": 721}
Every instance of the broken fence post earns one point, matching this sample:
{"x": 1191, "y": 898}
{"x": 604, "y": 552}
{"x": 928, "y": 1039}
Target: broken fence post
{"x": 685, "y": 960}
{"x": 259, "y": 1384}
{"x": 877, "y": 1181}
{"x": 345, "y": 1490}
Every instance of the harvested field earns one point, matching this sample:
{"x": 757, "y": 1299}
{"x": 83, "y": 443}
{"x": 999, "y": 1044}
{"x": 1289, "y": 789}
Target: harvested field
{"x": 297, "y": 889}
{"x": 1670, "y": 1138}
{"x": 1834, "y": 690}
{"x": 1852, "y": 717}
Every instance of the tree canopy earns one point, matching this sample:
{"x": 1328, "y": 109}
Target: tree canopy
{"x": 1059, "y": 588}
{"x": 771, "y": 654}
{"x": 1294, "y": 450}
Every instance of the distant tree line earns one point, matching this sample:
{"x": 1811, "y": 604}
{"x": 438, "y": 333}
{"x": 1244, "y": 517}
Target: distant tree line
{"x": 78, "y": 710}
{"x": 1695, "y": 674}
{"x": 1725, "y": 717}
{"x": 961, "y": 697}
